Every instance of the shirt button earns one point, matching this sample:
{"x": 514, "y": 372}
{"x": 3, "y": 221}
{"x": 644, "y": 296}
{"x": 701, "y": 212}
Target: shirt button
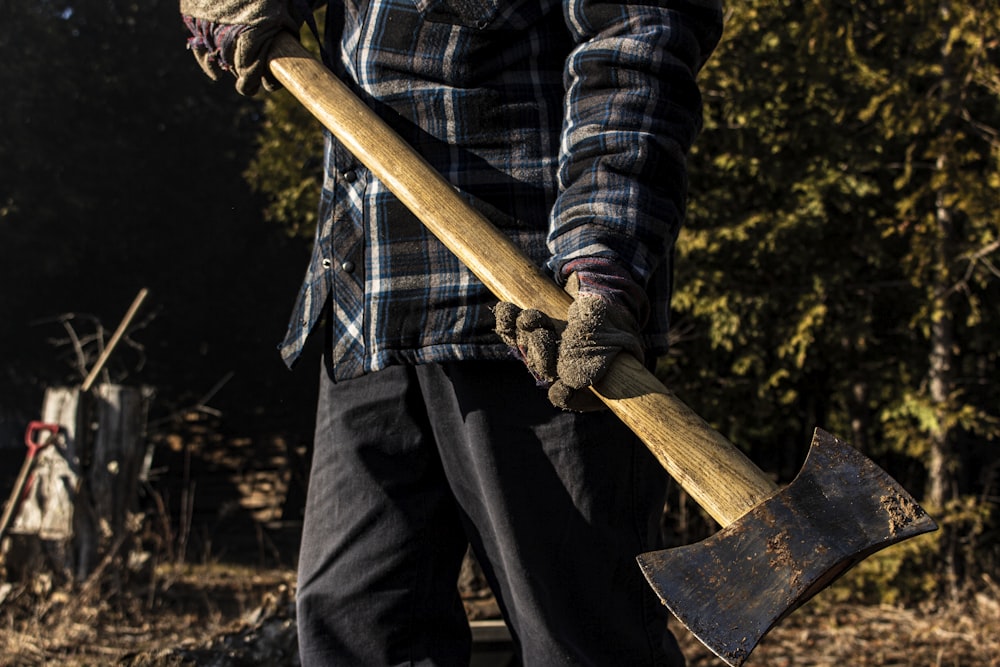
{"x": 327, "y": 263}
{"x": 348, "y": 266}
{"x": 350, "y": 176}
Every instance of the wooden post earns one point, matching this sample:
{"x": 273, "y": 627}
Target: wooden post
{"x": 84, "y": 484}
{"x": 117, "y": 456}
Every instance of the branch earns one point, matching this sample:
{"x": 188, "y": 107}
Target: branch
{"x": 980, "y": 257}
{"x": 81, "y": 356}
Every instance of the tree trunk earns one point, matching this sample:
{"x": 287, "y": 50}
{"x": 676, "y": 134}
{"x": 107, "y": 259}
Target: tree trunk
{"x": 942, "y": 466}
{"x": 861, "y": 416}
{"x": 943, "y": 461}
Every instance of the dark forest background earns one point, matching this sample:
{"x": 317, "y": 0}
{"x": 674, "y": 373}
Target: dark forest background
{"x": 121, "y": 167}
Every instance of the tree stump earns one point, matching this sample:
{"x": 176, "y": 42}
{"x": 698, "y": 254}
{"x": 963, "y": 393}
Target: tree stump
{"x": 84, "y": 484}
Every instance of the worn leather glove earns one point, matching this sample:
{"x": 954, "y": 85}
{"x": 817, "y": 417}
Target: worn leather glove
{"x": 235, "y": 36}
{"x": 601, "y": 323}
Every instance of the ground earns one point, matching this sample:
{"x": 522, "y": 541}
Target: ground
{"x": 213, "y": 585}
{"x": 227, "y": 616}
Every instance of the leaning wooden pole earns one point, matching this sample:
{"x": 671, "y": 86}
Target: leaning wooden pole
{"x": 88, "y": 382}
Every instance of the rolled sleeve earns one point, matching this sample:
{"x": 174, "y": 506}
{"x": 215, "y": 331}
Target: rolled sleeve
{"x": 632, "y": 111}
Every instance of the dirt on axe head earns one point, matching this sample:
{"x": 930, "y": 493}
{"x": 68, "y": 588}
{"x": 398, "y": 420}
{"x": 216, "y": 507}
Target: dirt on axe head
{"x": 733, "y": 587}
{"x": 777, "y": 548}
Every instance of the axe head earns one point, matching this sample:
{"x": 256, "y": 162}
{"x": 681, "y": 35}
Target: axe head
{"x": 733, "y": 587}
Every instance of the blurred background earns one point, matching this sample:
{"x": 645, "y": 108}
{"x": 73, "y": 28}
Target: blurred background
{"x": 121, "y": 168}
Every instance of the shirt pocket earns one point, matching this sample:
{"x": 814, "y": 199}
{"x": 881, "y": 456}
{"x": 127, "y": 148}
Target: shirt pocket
{"x": 477, "y": 14}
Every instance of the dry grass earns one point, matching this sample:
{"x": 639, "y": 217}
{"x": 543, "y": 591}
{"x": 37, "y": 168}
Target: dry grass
{"x": 225, "y": 616}
{"x": 168, "y": 620}
{"x": 848, "y": 635}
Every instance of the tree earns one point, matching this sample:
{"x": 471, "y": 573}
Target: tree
{"x": 947, "y": 193}
{"x": 842, "y": 238}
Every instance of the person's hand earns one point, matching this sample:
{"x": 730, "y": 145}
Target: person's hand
{"x": 235, "y": 36}
{"x": 600, "y": 324}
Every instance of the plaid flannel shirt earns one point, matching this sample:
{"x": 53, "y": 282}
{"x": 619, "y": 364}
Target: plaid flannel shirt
{"x": 565, "y": 122}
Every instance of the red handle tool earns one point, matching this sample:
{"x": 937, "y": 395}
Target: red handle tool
{"x": 34, "y": 442}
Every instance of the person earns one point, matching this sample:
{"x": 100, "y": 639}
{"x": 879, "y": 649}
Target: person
{"x": 567, "y": 124}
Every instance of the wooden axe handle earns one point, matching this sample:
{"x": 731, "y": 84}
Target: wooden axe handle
{"x": 15, "y": 495}
{"x": 721, "y": 479}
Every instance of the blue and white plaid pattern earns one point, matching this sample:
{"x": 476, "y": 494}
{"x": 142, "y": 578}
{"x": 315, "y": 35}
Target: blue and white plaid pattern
{"x": 565, "y": 123}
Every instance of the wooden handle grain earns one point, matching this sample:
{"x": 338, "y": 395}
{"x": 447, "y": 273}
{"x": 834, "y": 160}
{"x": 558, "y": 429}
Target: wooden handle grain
{"x": 720, "y": 478}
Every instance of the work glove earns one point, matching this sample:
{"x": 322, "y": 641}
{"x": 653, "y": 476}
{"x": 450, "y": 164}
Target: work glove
{"x": 235, "y": 36}
{"x": 602, "y": 321}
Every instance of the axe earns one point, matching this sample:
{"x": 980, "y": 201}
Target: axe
{"x": 777, "y": 548}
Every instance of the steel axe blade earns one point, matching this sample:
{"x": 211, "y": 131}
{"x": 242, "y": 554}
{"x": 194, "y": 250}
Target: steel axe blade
{"x": 733, "y": 587}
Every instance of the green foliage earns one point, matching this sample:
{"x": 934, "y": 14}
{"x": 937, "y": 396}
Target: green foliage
{"x": 904, "y": 573}
{"x": 839, "y": 265}
{"x": 910, "y": 572}
{"x": 286, "y": 166}
{"x": 813, "y": 261}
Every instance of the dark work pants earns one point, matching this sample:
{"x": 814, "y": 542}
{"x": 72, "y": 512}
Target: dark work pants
{"x": 411, "y": 464}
